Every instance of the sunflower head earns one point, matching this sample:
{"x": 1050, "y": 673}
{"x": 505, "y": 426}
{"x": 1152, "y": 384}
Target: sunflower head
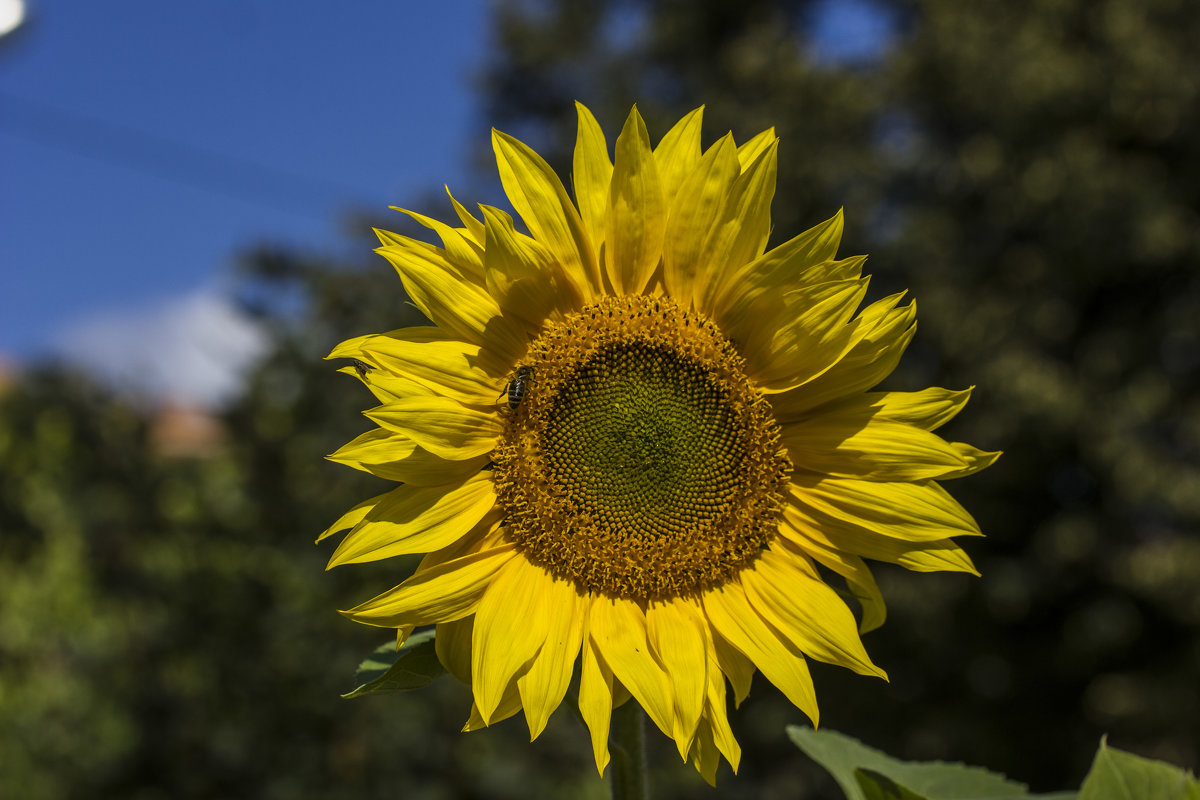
{"x": 635, "y": 440}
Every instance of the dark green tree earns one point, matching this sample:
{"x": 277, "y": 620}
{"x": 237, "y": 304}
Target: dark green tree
{"x": 166, "y": 626}
{"x": 1031, "y": 171}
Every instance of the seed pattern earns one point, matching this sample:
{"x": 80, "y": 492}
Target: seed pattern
{"x": 642, "y": 462}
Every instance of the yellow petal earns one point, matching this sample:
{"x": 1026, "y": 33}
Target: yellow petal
{"x": 734, "y": 619}
{"x": 442, "y": 426}
{"x": 941, "y": 555}
{"x": 756, "y": 288}
{"x": 881, "y": 338}
{"x": 692, "y": 235}
{"x": 450, "y": 368}
{"x": 402, "y": 634}
{"x": 509, "y": 705}
{"x": 976, "y": 460}
{"x": 453, "y": 646}
{"x": 678, "y": 152}
{"x": 472, "y": 226}
{"x": 676, "y": 634}
{"x": 423, "y": 468}
{"x": 795, "y": 262}
{"x": 714, "y": 717}
{"x": 353, "y": 348}
{"x": 749, "y": 151}
{"x": 522, "y": 275}
{"x": 818, "y": 243}
{"x": 704, "y": 755}
{"x": 802, "y": 607}
{"x": 396, "y": 458}
{"x": 543, "y": 686}
{"x": 510, "y": 628}
{"x": 444, "y": 593}
{"x": 918, "y": 512}
{"x": 353, "y": 516}
{"x": 736, "y": 667}
{"x": 717, "y": 721}
{"x": 487, "y": 535}
{"x": 453, "y": 302}
{"x": 596, "y": 701}
{"x": 858, "y": 577}
{"x": 618, "y": 630}
{"x": 637, "y": 212}
{"x": 463, "y": 254}
{"x": 417, "y": 519}
{"x": 539, "y": 197}
{"x": 929, "y": 409}
{"x": 593, "y": 174}
{"x": 384, "y": 385}
{"x": 744, "y": 227}
{"x": 813, "y": 331}
{"x": 859, "y": 445}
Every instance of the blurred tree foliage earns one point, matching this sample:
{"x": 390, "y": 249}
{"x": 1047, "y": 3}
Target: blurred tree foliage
{"x": 166, "y": 629}
{"x": 1030, "y": 170}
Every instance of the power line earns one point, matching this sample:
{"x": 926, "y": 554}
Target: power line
{"x": 168, "y": 159}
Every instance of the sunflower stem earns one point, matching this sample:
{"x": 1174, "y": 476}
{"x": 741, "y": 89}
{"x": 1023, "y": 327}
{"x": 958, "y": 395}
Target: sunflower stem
{"x": 627, "y": 741}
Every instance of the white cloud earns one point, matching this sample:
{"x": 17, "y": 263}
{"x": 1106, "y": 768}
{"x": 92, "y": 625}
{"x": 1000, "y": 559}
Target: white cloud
{"x": 192, "y": 349}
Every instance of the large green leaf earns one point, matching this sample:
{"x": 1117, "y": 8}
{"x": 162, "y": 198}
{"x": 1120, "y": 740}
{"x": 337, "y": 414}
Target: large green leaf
{"x": 388, "y": 670}
{"x": 867, "y": 774}
{"x": 876, "y": 786}
{"x": 1117, "y": 775}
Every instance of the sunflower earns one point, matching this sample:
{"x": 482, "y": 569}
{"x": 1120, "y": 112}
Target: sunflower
{"x": 635, "y": 439}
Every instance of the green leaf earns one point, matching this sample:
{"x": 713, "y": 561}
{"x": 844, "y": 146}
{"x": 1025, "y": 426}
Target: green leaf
{"x": 1117, "y": 775}
{"x": 387, "y": 670}
{"x": 877, "y": 786}
{"x": 847, "y": 759}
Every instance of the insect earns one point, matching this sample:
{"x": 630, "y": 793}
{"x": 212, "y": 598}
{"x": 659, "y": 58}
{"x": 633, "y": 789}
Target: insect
{"x": 362, "y": 368}
{"x": 517, "y": 387}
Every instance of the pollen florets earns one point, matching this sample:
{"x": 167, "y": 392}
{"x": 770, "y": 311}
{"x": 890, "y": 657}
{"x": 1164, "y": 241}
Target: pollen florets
{"x": 642, "y": 463}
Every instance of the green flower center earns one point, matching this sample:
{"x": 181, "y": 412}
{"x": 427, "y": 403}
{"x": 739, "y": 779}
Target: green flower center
{"x": 640, "y": 461}
{"x": 644, "y": 440}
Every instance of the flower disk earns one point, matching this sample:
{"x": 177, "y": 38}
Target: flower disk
{"x": 636, "y": 440}
{"x": 641, "y": 464}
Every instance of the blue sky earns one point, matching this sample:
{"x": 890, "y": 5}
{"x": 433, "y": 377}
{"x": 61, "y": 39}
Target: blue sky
{"x": 144, "y": 144}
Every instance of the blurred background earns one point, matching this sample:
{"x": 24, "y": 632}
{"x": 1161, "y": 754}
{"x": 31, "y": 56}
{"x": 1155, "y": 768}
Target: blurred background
{"x": 186, "y": 195}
